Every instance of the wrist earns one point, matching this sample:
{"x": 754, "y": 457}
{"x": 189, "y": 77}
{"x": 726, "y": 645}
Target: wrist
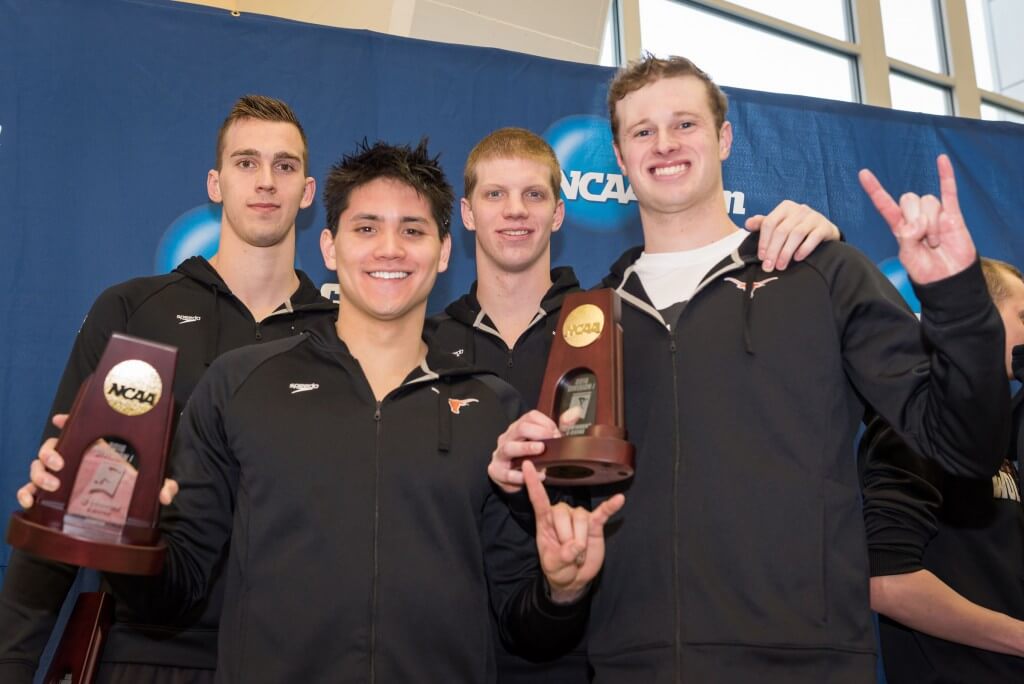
{"x": 567, "y": 595}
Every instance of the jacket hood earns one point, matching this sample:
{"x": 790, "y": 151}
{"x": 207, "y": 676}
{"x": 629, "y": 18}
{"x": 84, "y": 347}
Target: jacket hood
{"x": 438, "y": 367}
{"x": 305, "y": 299}
{"x": 622, "y": 279}
{"x": 466, "y": 308}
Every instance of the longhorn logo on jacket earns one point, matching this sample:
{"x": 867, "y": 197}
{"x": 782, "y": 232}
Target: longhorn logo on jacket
{"x": 456, "y": 405}
{"x": 755, "y": 285}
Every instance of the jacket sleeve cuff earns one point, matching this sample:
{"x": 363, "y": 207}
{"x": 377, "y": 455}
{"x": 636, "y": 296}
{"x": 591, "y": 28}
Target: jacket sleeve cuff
{"x": 559, "y": 611}
{"x": 892, "y": 562}
{"x": 954, "y": 298}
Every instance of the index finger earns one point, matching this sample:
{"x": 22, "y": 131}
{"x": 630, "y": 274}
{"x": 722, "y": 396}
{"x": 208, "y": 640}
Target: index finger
{"x": 947, "y": 184}
{"x": 882, "y": 200}
{"x": 607, "y": 509}
{"x": 538, "y": 495}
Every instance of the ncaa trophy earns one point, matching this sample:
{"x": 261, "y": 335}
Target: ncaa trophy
{"x": 104, "y": 513}
{"x": 584, "y": 372}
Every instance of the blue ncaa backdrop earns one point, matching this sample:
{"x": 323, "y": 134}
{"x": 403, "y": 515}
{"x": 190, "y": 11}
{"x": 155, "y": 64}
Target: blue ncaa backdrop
{"x": 109, "y": 111}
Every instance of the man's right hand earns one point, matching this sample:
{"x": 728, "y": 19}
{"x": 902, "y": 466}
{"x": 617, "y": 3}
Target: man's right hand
{"x": 48, "y": 461}
{"x": 523, "y": 438}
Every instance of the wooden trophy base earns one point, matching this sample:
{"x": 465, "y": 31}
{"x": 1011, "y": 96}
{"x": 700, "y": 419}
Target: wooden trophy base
{"x": 77, "y": 657}
{"x": 41, "y": 540}
{"x": 584, "y": 460}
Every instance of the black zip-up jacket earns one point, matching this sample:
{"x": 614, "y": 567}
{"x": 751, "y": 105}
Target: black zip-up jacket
{"x": 465, "y": 331}
{"x": 968, "y": 532}
{"x": 741, "y": 556}
{"x": 365, "y": 535}
{"x": 192, "y": 309}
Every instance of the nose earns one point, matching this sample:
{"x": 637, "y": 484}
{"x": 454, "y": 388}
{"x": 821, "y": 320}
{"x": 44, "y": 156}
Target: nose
{"x": 666, "y": 142}
{"x": 514, "y": 206}
{"x": 265, "y": 178}
{"x": 388, "y": 245}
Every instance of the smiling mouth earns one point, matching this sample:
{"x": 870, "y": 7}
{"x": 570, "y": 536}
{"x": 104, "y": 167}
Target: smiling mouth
{"x": 676, "y": 169}
{"x": 389, "y": 275}
{"x": 515, "y": 232}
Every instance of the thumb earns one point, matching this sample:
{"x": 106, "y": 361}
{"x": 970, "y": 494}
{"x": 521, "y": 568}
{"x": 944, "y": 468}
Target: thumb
{"x": 754, "y": 222}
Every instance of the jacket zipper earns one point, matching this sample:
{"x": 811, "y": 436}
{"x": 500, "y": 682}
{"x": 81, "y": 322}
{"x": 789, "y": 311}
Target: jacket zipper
{"x": 376, "y": 547}
{"x": 676, "y": 466}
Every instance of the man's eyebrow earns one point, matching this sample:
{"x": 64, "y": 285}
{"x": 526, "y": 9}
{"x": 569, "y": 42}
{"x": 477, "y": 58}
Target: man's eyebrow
{"x": 251, "y": 152}
{"x": 366, "y": 216}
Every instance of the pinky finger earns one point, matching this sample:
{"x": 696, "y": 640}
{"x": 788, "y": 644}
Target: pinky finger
{"x": 27, "y": 496}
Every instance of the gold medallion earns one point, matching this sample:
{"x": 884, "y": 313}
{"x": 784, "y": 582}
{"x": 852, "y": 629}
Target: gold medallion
{"x": 583, "y": 325}
{"x": 132, "y": 387}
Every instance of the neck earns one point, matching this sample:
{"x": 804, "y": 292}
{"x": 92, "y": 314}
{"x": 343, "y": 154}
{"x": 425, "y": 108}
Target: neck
{"x": 690, "y": 228}
{"x": 386, "y": 350}
{"x": 511, "y": 300}
{"x": 261, "y": 277}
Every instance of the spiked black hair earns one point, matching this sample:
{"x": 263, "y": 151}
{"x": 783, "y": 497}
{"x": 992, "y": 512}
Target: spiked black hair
{"x": 412, "y": 166}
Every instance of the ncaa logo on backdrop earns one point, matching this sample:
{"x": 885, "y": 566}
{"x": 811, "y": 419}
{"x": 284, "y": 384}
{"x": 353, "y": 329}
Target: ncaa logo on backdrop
{"x": 194, "y": 233}
{"x": 597, "y": 195}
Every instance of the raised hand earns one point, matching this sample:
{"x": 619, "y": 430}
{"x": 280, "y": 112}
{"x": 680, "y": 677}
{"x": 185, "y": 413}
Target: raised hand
{"x": 933, "y": 239}
{"x": 790, "y": 232}
{"x": 570, "y": 541}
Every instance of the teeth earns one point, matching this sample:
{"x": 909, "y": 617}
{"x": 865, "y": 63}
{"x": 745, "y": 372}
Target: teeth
{"x": 515, "y": 233}
{"x": 389, "y": 275}
{"x": 671, "y": 170}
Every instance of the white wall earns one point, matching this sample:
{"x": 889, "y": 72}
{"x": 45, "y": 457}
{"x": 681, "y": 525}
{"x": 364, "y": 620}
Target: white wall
{"x": 561, "y": 29}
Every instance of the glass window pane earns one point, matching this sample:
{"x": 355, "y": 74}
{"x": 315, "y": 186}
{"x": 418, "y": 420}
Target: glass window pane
{"x": 913, "y": 95}
{"x": 991, "y": 112}
{"x": 911, "y": 29}
{"x": 980, "y": 50}
{"x": 824, "y": 16}
{"x": 766, "y": 62}
{"x": 995, "y": 41}
{"x": 608, "y": 55}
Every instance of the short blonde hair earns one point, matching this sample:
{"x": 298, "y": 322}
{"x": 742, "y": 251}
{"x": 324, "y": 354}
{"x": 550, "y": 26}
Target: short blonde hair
{"x": 995, "y": 273}
{"x": 513, "y": 143}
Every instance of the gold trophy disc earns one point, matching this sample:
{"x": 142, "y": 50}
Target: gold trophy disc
{"x": 583, "y": 325}
{"x": 132, "y": 387}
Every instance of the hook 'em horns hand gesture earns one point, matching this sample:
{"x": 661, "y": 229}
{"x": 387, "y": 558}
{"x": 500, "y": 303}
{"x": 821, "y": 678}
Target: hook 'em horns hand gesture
{"x": 933, "y": 239}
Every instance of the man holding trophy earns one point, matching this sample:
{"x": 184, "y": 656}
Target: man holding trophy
{"x": 742, "y": 555}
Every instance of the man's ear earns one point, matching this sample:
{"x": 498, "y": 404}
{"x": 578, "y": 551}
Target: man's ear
{"x": 559, "y": 216}
{"x": 467, "y": 214}
{"x": 213, "y": 186}
{"x": 725, "y": 141}
{"x": 308, "y": 193}
{"x": 618, "y": 158}
{"x": 446, "y": 253}
{"x": 327, "y": 250}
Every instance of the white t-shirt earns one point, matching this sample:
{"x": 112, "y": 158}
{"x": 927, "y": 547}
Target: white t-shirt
{"x": 671, "y": 277}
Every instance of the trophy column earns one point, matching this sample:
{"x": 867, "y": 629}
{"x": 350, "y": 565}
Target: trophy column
{"x": 584, "y": 372}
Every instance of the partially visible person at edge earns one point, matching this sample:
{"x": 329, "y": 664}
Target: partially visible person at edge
{"x": 742, "y": 555}
{"x": 248, "y": 292}
{"x": 505, "y": 323}
{"x": 947, "y": 552}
